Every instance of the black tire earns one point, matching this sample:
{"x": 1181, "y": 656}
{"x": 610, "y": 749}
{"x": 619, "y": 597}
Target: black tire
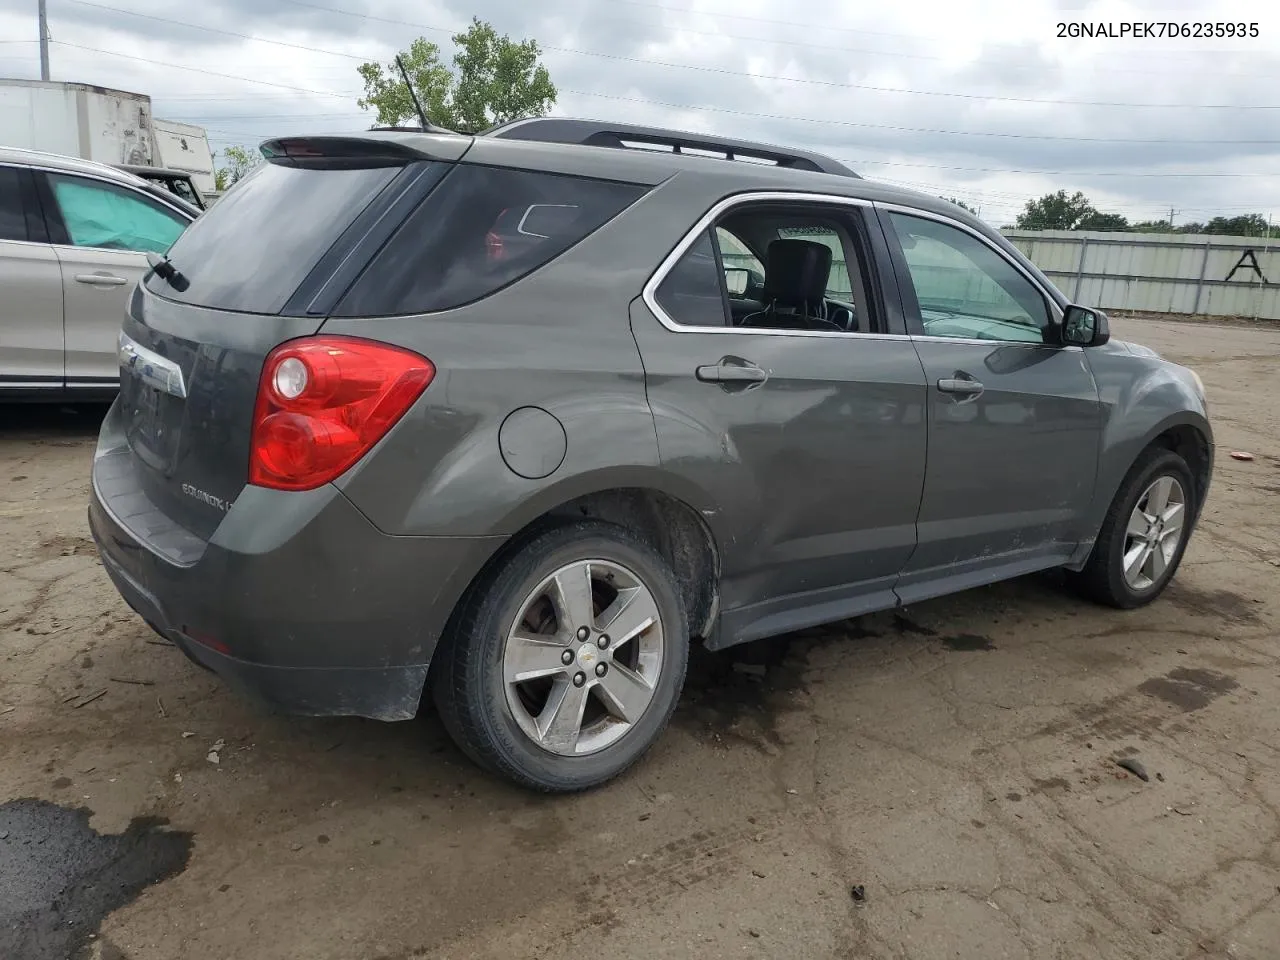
{"x": 467, "y": 675}
{"x": 1102, "y": 579}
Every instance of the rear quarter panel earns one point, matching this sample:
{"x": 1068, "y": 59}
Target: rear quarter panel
{"x": 558, "y": 340}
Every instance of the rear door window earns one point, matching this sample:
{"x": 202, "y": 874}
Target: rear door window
{"x": 251, "y": 250}
{"x": 109, "y": 217}
{"x": 480, "y": 230}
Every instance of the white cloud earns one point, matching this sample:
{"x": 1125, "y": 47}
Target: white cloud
{"x": 994, "y": 90}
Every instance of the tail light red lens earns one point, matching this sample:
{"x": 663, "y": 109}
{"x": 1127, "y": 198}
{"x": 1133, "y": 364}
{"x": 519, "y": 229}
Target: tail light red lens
{"x": 323, "y": 402}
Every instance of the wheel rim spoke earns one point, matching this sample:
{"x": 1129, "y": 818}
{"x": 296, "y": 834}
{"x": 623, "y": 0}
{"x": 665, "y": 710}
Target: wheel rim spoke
{"x": 573, "y": 597}
{"x": 1158, "y": 497}
{"x": 1173, "y": 518}
{"x": 1139, "y": 523}
{"x": 1134, "y": 560}
{"x": 625, "y": 693}
{"x": 560, "y": 723}
{"x": 1158, "y": 561}
{"x": 631, "y": 614}
{"x": 529, "y": 657}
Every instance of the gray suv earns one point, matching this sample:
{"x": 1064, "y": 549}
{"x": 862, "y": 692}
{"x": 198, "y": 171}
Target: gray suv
{"x": 485, "y": 417}
{"x": 74, "y": 239}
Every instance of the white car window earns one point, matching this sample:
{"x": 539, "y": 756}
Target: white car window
{"x": 105, "y": 216}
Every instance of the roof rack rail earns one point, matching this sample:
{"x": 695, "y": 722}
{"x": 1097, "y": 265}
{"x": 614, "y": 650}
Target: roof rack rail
{"x": 629, "y": 136}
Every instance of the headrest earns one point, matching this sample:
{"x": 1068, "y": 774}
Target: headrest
{"x": 797, "y": 272}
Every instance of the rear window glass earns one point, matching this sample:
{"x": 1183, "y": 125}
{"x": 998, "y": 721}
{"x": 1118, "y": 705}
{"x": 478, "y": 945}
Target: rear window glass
{"x": 691, "y": 294}
{"x": 13, "y": 221}
{"x": 253, "y": 248}
{"x": 481, "y": 229}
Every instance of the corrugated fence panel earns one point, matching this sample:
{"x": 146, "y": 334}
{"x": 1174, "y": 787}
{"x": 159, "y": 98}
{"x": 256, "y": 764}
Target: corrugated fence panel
{"x": 1160, "y": 273}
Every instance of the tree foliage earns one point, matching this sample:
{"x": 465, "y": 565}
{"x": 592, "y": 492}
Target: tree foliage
{"x": 1250, "y": 225}
{"x": 1057, "y": 211}
{"x": 959, "y": 203}
{"x": 493, "y": 79}
{"x": 236, "y": 162}
{"x": 1095, "y": 220}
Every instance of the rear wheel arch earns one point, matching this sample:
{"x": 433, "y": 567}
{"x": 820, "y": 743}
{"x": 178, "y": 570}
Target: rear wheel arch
{"x": 668, "y": 523}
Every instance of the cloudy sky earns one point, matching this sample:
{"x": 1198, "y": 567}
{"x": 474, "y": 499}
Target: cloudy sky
{"x": 977, "y": 99}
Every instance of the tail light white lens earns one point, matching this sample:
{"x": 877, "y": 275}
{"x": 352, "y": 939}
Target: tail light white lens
{"x": 323, "y": 402}
{"x": 290, "y": 378}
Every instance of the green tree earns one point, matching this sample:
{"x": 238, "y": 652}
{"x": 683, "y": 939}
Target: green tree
{"x": 1250, "y": 225}
{"x": 236, "y": 162}
{"x": 493, "y": 80}
{"x": 1095, "y": 220}
{"x": 959, "y": 203}
{"x": 1055, "y": 211}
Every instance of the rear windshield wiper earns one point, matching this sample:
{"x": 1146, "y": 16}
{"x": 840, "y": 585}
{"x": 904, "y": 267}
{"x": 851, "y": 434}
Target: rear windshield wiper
{"x": 166, "y": 271}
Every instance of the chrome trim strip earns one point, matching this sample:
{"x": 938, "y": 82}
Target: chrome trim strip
{"x": 153, "y": 369}
{"x": 649, "y": 294}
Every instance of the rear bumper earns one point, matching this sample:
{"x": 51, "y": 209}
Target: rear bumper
{"x": 297, "y": 600}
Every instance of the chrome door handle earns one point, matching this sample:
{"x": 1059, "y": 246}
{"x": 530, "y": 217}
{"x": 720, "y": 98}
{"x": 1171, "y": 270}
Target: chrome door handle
{"x": 100, "y": 280}
{"x": 732, "y": 370}
{"x": 968, "y": 388}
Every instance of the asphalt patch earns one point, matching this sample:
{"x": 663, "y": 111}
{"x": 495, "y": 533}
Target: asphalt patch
{"x": 59, "y": 878}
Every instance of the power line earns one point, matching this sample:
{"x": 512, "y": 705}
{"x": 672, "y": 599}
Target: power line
{"x": 211, "y": 73}
{"x": 683, "y": 29}
{"x": 225, "y": 33}
{"x": 826, "y": 122}
{"x": 902, "y": 129}
{"x": 1056, "y": 173}
{"x": 857, "y": 162}
{"x": 313, "y": 49}
{"x": 822, "y": 27}
{"x": 820, "y": 83}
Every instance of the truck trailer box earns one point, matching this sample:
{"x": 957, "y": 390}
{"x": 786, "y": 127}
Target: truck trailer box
{"x": 77, "y": 120}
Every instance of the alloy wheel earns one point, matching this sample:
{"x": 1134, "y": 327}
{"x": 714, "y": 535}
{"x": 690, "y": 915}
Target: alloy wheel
{"x": 582, "y": 660}
{"x": 1154, "y": 533}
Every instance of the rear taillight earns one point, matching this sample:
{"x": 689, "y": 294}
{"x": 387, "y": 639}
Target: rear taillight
{"x": 323, "y": 402}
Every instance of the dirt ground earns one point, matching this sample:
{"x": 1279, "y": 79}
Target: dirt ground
{"x": 956, "y": 762}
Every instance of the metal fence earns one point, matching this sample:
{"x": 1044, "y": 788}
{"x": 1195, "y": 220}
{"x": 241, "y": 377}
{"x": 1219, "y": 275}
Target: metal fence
{"x": 1160, "y": 273}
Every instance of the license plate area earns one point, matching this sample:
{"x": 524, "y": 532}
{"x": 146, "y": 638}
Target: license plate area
{"x": 153, "y": 418}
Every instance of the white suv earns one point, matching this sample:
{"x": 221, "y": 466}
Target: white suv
{"x": 74, "y": 239}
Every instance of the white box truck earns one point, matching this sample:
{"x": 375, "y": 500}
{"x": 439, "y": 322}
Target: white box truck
{"x": 109, "y": 126}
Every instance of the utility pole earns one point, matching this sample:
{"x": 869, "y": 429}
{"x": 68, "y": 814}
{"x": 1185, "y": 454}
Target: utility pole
{"x": 44, "y": 39}
{"x": 1171, "y": 213}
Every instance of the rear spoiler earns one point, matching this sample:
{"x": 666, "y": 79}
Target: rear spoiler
{"x": 374, "y": 149}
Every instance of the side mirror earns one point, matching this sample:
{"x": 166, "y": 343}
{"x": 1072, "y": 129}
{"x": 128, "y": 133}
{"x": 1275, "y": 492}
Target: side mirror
{"x": 742, "y": 281}
{"x": 737, "y": 279}
{"x": 1085, "y": 327}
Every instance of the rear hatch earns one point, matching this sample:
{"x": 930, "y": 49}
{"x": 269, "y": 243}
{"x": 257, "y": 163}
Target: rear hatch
{"x": 263, "y": 266}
